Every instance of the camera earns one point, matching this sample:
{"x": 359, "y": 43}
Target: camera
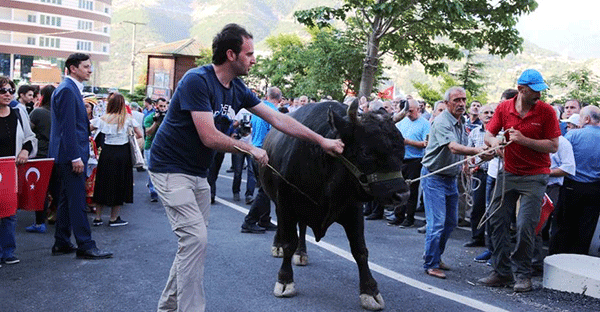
{"x": 402, "y": 104}
{"x": 245, "y": 127}
{"x": 159, "y": 116}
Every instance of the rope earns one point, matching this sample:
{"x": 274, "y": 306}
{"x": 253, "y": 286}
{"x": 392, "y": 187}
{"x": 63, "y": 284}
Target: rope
{"x": 487, "y": 217}
{"x": 281, "y": 177}
{"x": 457, "y": 163}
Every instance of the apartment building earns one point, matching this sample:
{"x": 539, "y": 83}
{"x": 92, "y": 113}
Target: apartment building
{"x": 51, "y": 29}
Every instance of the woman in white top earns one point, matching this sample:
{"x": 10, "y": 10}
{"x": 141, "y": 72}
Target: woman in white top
{"x": 114, "y": 175}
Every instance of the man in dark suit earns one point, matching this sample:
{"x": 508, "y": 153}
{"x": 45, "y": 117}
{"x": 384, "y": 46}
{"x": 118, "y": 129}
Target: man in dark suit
{"x": 69, "y": 146}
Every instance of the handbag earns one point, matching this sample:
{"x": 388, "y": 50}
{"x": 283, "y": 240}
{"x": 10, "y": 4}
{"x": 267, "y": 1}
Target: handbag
{"x": 137, "y": 160}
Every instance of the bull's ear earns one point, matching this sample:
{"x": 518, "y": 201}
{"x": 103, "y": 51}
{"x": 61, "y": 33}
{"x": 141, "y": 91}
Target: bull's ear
{"x": 337, "y": 123}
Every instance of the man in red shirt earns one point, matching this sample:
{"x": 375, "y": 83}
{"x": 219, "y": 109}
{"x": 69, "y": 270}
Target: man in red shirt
{"x": 533, "y": 128}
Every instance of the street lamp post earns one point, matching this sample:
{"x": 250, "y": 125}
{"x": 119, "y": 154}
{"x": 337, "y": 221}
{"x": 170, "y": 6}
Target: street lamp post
{"x": 133, "y": 53}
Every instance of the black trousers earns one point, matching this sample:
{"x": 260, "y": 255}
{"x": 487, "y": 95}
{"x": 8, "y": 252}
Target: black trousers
{"x": 261, "y": 206}
{"x": 213, "y": 172}
{"x": 576, "y": 217}
{"x": 411, "y": 169}
{"x": 479, "y": 201}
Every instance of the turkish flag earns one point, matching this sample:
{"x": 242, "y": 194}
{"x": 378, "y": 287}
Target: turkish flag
{"x": 387, "y": 93}
{"x": 547, "y": 208}
{"x": 34, "y": 177}
{"x": 8, "y": 187}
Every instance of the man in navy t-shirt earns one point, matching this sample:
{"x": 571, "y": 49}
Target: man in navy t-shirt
{"x": 183, "y": 150}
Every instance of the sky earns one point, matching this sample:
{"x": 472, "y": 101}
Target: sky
{"x": 570, "y": 28}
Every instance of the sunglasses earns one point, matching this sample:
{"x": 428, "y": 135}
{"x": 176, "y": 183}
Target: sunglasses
{"x": 7, "y": 90}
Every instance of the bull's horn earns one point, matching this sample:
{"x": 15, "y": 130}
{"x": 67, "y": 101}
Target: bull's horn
{"x": 353, "y": 111}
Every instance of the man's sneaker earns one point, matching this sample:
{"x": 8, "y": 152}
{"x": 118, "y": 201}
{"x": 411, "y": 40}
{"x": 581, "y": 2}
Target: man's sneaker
{"x": 252, "y": 228}
{"x": 407, "y": 223}
{"x": 249, "y": 200}
{"x": 422, "y": 229}
{"x": 153, "y": 197}
{"x": 495, "y": 280}
{"x": 522, "y": 285}
{"x": 11, "y": 260}
{"x": 484, "y": 256}
{"x": 212, "y": 200}
{"x": 230, "y": 170}
{"x": 34, "y": 228}
{"x": 117, "y": 222}
{"x": 269, "y": 227}
{"x": 97, "y": 222}
{"x": 236, "y": 196}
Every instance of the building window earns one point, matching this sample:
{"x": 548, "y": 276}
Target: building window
{"x": 31, "y": 18}
{"x": 50, "y": 20}
{"x": 104, "y": 49}
{"x": 84, "y": 45}
{"x": 49, "y": 42}
{"x": 106, "y": 10}
{"x": 86, "y": 4}
{"x": 52, "y": 1}
{"x": 85, "y": 25}
{"x": 31, "y": 40}
{"x": 106, "y": 29}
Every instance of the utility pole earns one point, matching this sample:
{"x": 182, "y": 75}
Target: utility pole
{"x": 133, "y": 53}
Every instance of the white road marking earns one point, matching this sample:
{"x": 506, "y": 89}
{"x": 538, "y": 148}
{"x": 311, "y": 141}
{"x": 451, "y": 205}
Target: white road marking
{"x": 476, "y": 304}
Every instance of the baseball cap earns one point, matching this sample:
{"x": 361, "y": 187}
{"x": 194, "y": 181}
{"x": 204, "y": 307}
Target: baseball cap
{"x": 533, "y": 79}
{"x": 574, "y": 119}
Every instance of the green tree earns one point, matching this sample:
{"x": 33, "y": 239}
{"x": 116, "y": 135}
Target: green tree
{"x": 425, "y": 31}
{"x": 469, "y": 76}
{"x": 329, "y": 64}
{"x": 204, "y": 57}
{"x": 581, "y": 84}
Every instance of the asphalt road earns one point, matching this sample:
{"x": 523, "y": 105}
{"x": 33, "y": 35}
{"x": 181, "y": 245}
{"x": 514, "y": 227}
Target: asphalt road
{"x": 240, "y": 272}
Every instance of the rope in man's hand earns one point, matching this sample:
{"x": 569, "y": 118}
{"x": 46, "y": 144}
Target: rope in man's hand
{"x": 279, "y": 175}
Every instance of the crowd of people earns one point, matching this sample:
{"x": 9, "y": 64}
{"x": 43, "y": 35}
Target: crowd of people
{"x": 523, "y": 149}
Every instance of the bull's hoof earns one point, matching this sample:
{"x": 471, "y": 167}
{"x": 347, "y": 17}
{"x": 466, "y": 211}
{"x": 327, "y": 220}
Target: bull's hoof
{"x": 287, "y": 290}
{"x": 277, "y": 252}
{"x": 373, "y": 303}
{"x": 300, "y": 259}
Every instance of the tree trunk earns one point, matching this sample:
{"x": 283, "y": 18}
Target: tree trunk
{"x": 371, "y": 60}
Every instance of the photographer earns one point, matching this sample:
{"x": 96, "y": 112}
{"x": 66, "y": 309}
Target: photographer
{"x": 151, "y": 123}
{"x": 242, "y": 132}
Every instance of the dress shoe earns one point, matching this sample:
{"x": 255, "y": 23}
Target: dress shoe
{"x": 407, "y": 224}
{"x": 522, "y": 285}
{"x": 268, "y": 227}
{"x": 436, "y": 273}
{"x": 212, "y": 200}
{"x": 394, "y": 221}
{"x": 475, "y": 243}
{"x": 252, "y": 228}
{"x": 57, "y": 251}
{"x": 495, "y": 280}
{"x": 93, "y": 253}
{"x": 463, "y": 223}
{"x": 374, "y": 216}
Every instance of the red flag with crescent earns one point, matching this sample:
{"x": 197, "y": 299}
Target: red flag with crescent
{"x": 8, "y": 187}
{"x": 34, "y": 177}
{"x": 547, "y": 208}
{"x": 387, "y": 93}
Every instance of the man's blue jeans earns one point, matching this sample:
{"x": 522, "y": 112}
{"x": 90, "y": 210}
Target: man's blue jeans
{"x": 7, "y": 236}
{"x": 440, "y": 194}
{"x": 151, "y": 189}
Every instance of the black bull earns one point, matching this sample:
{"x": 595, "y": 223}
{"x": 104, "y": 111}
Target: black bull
{"x": 320, "y": 189}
